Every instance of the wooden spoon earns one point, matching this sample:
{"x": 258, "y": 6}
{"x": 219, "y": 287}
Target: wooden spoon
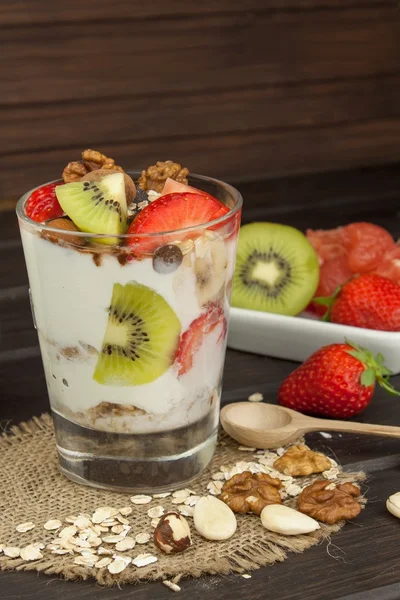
{"x": 265, "y": 425}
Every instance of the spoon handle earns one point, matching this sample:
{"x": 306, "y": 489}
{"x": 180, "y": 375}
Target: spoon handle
{"x": 351, "y": 427}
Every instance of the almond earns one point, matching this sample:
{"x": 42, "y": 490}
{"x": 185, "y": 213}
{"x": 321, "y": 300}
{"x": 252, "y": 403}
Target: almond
{"x": 66, "y": 225}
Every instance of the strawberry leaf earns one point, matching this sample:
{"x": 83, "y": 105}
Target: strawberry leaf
{"x": 368, "y": 377}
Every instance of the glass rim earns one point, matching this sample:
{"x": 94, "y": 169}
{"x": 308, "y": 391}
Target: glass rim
{"x": 234, "y": 193}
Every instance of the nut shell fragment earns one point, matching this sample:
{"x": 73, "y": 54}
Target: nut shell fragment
{"x": 251, "y": 492}
{"x": 300, "y": 460}
{"x": 172, "y": 534}
{"x": 330, "y": 503}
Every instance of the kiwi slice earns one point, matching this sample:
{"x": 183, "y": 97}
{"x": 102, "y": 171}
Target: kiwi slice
{"x": 141, "y": 338}
{"x": 96, "y": 206}
{"x": 276, "y": 269}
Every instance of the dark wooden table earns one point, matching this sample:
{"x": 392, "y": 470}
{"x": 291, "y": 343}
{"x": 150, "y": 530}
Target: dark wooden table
{"x": 362, "y": 562}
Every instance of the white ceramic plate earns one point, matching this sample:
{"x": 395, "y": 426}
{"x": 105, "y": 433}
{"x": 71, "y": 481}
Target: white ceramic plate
{"x": 295, "y": 338}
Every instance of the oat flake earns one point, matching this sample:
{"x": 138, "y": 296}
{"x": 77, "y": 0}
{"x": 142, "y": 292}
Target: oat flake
{"x": 12, "y": 551}
{"x": 119, "y": 564}
{"x": 23, "y": 527}
{"x": 31, "y": 553}
{"x": 103, "y": 562}
{"x": 142, "y": 538}
{"x": 155, "y": 512}
{"x": 141, "y": 499}
{"x": 164, "y": 495}
{"x": 126, "y": 510}
{"x": 172, "y": 586}
{"x": 125, "y": 544}
{"x": 256, "y": 397}
{"x": 101, "y": 550}
{"x": 52, "y": 525}
{"x": 142, "y": 560}
{"x": 112, "y": 539}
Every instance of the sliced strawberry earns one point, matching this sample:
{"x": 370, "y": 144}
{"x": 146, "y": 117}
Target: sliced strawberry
{"x": 170, "y": 213}
{"x": 192, "y": 338}
{"x": 171, "y": 187}
{"x": 43, "y": 205}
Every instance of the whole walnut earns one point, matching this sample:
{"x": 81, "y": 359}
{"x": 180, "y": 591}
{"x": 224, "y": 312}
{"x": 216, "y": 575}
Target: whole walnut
{"x": 300, "y": 460}
{"x": 250, "y": 492}
{"x": 154, "y": 177}
{"x": 91, "y": 160}
{"x": 328, "y": 502}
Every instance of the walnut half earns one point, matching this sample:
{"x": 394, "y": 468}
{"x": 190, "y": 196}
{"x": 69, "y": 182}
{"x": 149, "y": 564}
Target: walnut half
{"x": 330, "y": 503}
{"x": 91, "y": 160}
{"x": 154, "y": 177}
{"x": 300, "y": 460}
{"x": 250, "y": 492}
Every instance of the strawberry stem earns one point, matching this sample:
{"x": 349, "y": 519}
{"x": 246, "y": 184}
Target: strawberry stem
{"x": 375, "y": 371}
{"x": 328, "y": 301}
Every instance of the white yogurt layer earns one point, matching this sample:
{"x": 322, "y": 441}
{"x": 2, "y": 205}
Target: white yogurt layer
{"x": 71, "y": 297}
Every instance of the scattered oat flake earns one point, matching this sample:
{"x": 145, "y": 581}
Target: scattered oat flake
{"x": 60, "y": 551}
{"x": 82, "y": 543}
{"x": 117, "y": 529}
{"x": 181, "y": 493}
{"x": 164, "y": 495}
{"x": 142, "y": 560}
{"x": 122, "y": 520}
{"x": 256, "y": 397}
{"x": 112, "y": 539}
{"x": 125, "y": 544}
{"x": 102, "y": 513}
{"x": 118, "y": 565}
{"x": 82, "y": 522}
{"x": 126, "y": 510}
{"x": 31, "y": 553}
{"x": 331, "y": 473}
{"x": 155, "y": 512}
{"x": 141, "y": 499}
{"x": 142, "y": 538}
{"x": 218, "y": 476}
{"x": 68, "y": 532}
{"x": 172, "y": 586}
{"x": 23, "y": 527}
{"x": 293, "y": 489}
{"x": 2, "y": 546}
{"x": 186, "y": 511}
{"x": 246, "y": 449}
{"x": 38, "y": 545}
{"x": 215, "y": 487}
{"x": 95, "y": 542}
{"x": 103, "y": 562}
{"x": 85, "y": 561}
{"x": 71, "y": 519}
{"x": 179, "y": 500}
{"x": 101, "y": 550}
{"x": 52, "y": 525}
{"x": 12, "y": 551}
{"x": 154, "y": 522}
{"x": 246, "y": 576}
{"x": 280, "y": 451}
{"x": 192, "y": 500}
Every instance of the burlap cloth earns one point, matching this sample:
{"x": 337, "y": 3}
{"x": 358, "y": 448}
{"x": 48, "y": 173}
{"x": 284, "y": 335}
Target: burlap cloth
{"x": 32, "y": 489}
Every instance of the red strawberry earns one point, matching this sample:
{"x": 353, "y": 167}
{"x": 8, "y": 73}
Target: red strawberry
{"x": 336, "y": 381}
{"x": 192, "y": 338}
{"x": 171, "y": 212}
{"x": 368, "y": 301}
{"x": 43, "y": 205}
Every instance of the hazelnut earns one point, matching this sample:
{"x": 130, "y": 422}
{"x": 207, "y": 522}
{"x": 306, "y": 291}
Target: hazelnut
{"x": 172, "y": 533}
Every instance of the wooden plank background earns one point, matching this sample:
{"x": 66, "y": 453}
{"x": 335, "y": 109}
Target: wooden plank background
{"x": 239, "y": 89}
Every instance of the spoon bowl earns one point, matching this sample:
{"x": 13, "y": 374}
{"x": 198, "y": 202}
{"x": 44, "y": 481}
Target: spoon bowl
{"x": 262, "y": 425}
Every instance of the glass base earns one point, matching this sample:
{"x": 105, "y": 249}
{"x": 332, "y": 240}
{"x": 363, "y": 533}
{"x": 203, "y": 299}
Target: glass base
{"x": 135, "y": 463}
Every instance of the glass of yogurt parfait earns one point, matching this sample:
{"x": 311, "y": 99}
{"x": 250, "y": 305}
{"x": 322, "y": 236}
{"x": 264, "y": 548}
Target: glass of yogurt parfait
{"x": 130, "y": 290}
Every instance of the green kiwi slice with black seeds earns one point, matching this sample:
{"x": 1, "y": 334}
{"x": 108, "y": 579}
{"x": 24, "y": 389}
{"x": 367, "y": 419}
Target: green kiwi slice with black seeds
{"x": 141, "y": 337}
{"x": 96, "y": 206}
{"x": 276, "y": 271}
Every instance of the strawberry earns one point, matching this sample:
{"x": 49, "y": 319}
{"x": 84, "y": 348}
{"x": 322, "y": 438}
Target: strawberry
{"x": 336, "y": 381}
{"x": 369, "y": 301}
{"x": 172, "y": 212}
{"x": 43, "y": 205}
{"x": 192, "y": 338}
